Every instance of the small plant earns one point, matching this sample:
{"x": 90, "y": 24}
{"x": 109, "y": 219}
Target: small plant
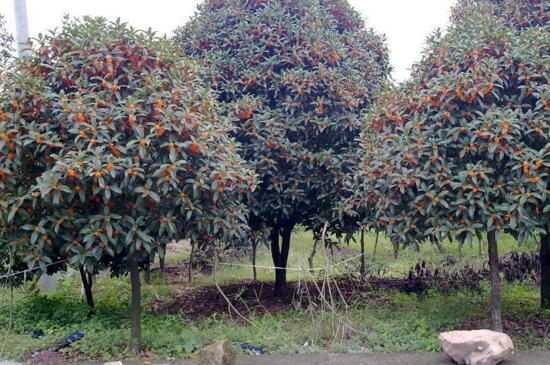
{"x": 422, "y": 278}
{"x": 521, "y": 266}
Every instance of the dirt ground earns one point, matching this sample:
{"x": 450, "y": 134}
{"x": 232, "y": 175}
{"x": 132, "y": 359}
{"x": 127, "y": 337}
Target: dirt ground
{"x": 249, "y": 296}
{"x": 257, "y": 297}
{"x": 515, "y": 326}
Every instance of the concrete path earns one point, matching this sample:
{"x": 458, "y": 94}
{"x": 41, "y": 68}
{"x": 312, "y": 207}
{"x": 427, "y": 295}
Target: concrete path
{"x": 540, "y": 358}
{"x": 532, "y": 358}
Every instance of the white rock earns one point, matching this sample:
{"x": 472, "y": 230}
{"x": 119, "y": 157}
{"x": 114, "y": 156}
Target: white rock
{"x": 480, "y": 347}
{"x": 113, "y": 363}
{"x": 219, "y": 353}
{"x": 47, "y": 284}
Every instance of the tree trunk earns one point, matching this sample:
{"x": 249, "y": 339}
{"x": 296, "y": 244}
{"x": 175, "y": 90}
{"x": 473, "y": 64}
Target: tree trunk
{"x": 286, "y": 233}
{"x": 496, "y": 319}
{"x": 375, "y": 245}
{"x": 190, "y": 268}
{"x": 136, "y": 304}
{"x": 439, "y": 246}
{"x": 545, "y": 269}
{"x": 87, "y": 284}
{"x": 147, "y": 275}
{"x": 480, "y": 246}
{"x": 280, "y": 281}
{"x": 312, "y": 255}
{"x": 34, "y": 283}
{"x": 363, "y": 269}
{"x": 162, "y": 261}
{"x": 275, "y": 255}
{"x": 280, "y": 256}
{"x": 314, "y": 250}
{"x": 396, "y": 251}
{"x": 254, "y": 250}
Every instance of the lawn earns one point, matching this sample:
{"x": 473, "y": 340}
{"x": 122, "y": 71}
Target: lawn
{"x": 387, "y": 321}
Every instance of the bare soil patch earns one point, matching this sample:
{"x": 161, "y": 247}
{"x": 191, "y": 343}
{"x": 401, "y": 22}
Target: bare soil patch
{"x": 46, "y": 357}
{"x": 257, "y": 297}
{"x": 516, "y": 327}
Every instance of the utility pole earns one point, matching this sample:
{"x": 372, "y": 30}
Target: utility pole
{"x": 47, "y": 283}
{"x": 22, "y": 26}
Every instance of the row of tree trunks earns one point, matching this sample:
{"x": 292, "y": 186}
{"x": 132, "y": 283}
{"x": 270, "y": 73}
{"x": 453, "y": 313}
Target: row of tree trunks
{"x": 280, "y": 247}
{"x": 280, "y": 259}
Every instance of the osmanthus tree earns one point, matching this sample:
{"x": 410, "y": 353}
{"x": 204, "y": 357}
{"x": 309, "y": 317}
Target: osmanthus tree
{"x": 111, "y": 145}
{"x": 464, "y": 150}
{"x": 531, "y": 22}
{"x": 296, "y": 76}
{"x": 531, "y": 18}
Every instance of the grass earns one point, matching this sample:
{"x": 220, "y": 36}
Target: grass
{"x": 302, "y": 244}
{"x": 394, "y": 322}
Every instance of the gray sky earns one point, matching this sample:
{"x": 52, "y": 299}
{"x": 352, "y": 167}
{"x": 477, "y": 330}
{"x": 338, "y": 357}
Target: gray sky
{"x": 406, "y": 23}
